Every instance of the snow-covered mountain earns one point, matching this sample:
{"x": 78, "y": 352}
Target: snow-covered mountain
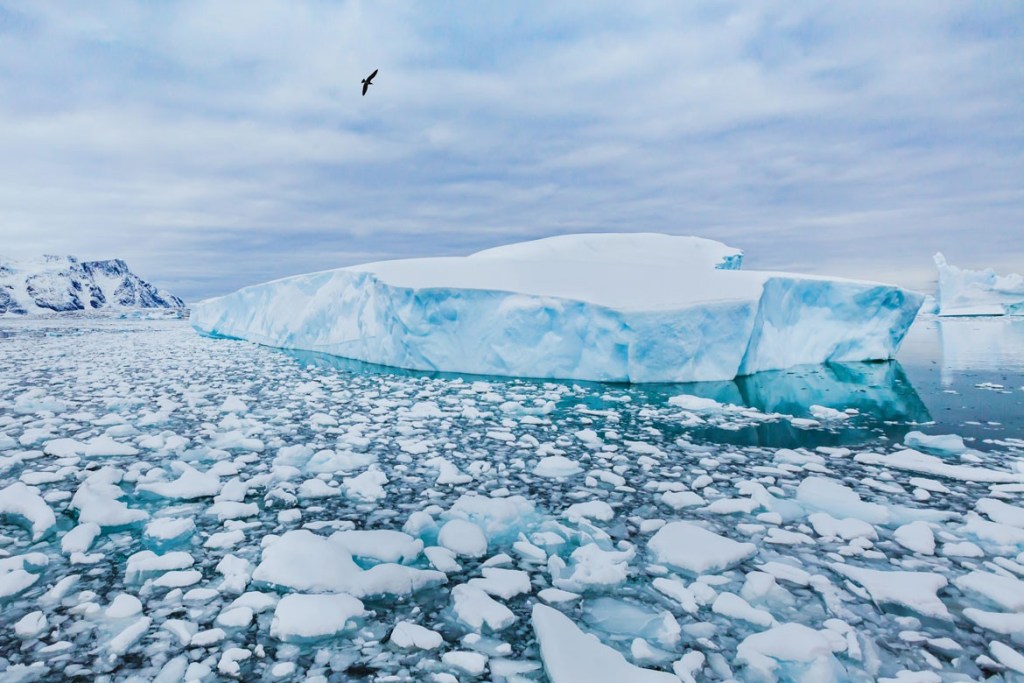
{"x": 63, "y": 283}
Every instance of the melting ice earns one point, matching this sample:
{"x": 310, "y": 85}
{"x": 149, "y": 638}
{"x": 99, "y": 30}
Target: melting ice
{"x": 182, "y": 508}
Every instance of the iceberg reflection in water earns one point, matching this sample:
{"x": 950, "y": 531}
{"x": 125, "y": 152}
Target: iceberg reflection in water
{"x": 880, "y": 392}
{"x": 980, "y": 344}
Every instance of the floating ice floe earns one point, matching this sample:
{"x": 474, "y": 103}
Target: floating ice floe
{"x": 613, "y": 307}
{"x": 234, "y": 544}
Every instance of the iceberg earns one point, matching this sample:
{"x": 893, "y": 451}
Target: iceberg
{"x": 977, "y": 292}
{"x": 603, "y": 307}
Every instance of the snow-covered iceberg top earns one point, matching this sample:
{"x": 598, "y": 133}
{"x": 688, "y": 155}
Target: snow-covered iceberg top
{"x": 606, "y": 307}
{"x": 978, "y": 292}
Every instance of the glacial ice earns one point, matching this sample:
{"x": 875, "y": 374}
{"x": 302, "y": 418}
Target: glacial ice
{"x": 978, "y": 292}
{"x": 611, "y": 307}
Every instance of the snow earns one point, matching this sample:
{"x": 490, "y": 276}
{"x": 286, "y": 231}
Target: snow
{"x": 25, "y": 503}
{"x": 789, "y": 652}
{"x": 570, "y": 655}
{"x": 463, "y": 538}
{"x": 50, "y": 284}
{"x": 913, "y": 590}
{"x": 409, "y": 635}
{"x": 950, "y": 444}
{"x": 810, "y": 527}
{"x": 652, "y": 308}
{"x": 1007, "y": 592}
{"x": 299, "y": 617}
{"x": 696, "y": 550}
{"x": 303, "y": 561}
{"x": 977, "y": 292}
{"x": 916, "y": 537}
{"x": 474, "y": 608}
{"x": 915, "y": 461}
{"x": 556, "y": 467}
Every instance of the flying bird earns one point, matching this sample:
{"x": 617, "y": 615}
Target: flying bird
{"x": 367, "y": 82}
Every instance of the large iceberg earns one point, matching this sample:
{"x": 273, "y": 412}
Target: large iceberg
{"x": 978, "y": 292}
{"x": 607, "y": 307}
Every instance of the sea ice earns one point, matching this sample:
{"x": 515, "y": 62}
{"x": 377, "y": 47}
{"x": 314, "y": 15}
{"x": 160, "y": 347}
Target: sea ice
{"x": 789, "y": 652}
{"x": 697, "y": 550}
{"x": 977, "y": 292}
{"x": 571, "y": 656}
{"x": 299, "y": 617}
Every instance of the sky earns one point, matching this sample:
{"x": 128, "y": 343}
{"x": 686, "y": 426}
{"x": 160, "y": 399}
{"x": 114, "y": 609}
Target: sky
{"x": 215, "y": 144}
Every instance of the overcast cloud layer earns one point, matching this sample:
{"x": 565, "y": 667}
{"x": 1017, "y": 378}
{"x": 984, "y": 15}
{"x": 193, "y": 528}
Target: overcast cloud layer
{"x": 218, "y": 144}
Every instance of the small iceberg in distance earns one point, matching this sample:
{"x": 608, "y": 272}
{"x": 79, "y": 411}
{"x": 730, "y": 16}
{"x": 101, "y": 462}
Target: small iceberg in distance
{"x": 637, "y": 307}
{"x": 977, "y": 292}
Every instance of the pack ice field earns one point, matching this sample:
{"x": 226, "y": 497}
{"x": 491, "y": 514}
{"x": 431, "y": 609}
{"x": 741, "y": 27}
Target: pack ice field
{"x": 177, "y": 507}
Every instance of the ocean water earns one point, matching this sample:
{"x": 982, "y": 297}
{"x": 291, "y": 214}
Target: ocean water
{"x": 206, "y": 453}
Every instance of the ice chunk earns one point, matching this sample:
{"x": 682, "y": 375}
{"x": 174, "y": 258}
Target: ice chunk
{"x": 408, "y": 635}
{"x": 383, "y": 545}
{"x": 122, "y": 606}
{"x": 916, "y": 536}
{"x": 556, "y": 467}
{"x": 475, "y": 608}
{"x": 463, "y": 538}
{"x": 939, "y": 443}
{"x": 30, "y": 625}
{"x": 97, "y": 500}
{"x": 303, "y": 617}
{"x": 592, "y": 509}
{"x": 915, "y": 461}
{"x": 1001, "y": 513}
{"x": 130, "y": 635}
{"x": 696, "y": 550}
{"x": 735, "y": 607}
{"x": 592, "y": 566}
{"x": 168, "y": 529}
{"x": 977, "y": 292}
{"x": 472, "y": 663}
{"x": 105, "y": 445}
{"x": 570, "y": 655}
{"x": 828, "y": 495}
{"x": 1007, "y": 656}
{"x": 368, "y": 486}
{"x": 190, "y": 485}
{"x": 500, "y": 518}
{"x": 503, "y": 583}
{"x": 913, "y": 590}
{"x": 303, "y": 561}
{"x": 527, "y": 311}
{"x": 26, "y": 504}
{"x": 1005, "y": 591}
{"x": 789, "y": 652}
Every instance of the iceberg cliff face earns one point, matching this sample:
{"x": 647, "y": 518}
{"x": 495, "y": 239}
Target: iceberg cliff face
{"x": 629, "y": 308}
{"x": 63, "y": 284}
{"x": 978, "y": 292}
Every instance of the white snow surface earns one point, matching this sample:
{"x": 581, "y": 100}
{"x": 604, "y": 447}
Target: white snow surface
{"x": 614, "y": 307}
{"x": 49, "y": 284}
{"x": 571, "y": 655}
{"x": 978, "y": 292}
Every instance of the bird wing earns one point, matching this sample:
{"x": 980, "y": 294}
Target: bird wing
{"x": 366, "y": 86}
{"x": 370, "y": 77}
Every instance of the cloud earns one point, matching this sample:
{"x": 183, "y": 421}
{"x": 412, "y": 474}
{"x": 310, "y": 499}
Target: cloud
{"x": 216, "y": 144}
